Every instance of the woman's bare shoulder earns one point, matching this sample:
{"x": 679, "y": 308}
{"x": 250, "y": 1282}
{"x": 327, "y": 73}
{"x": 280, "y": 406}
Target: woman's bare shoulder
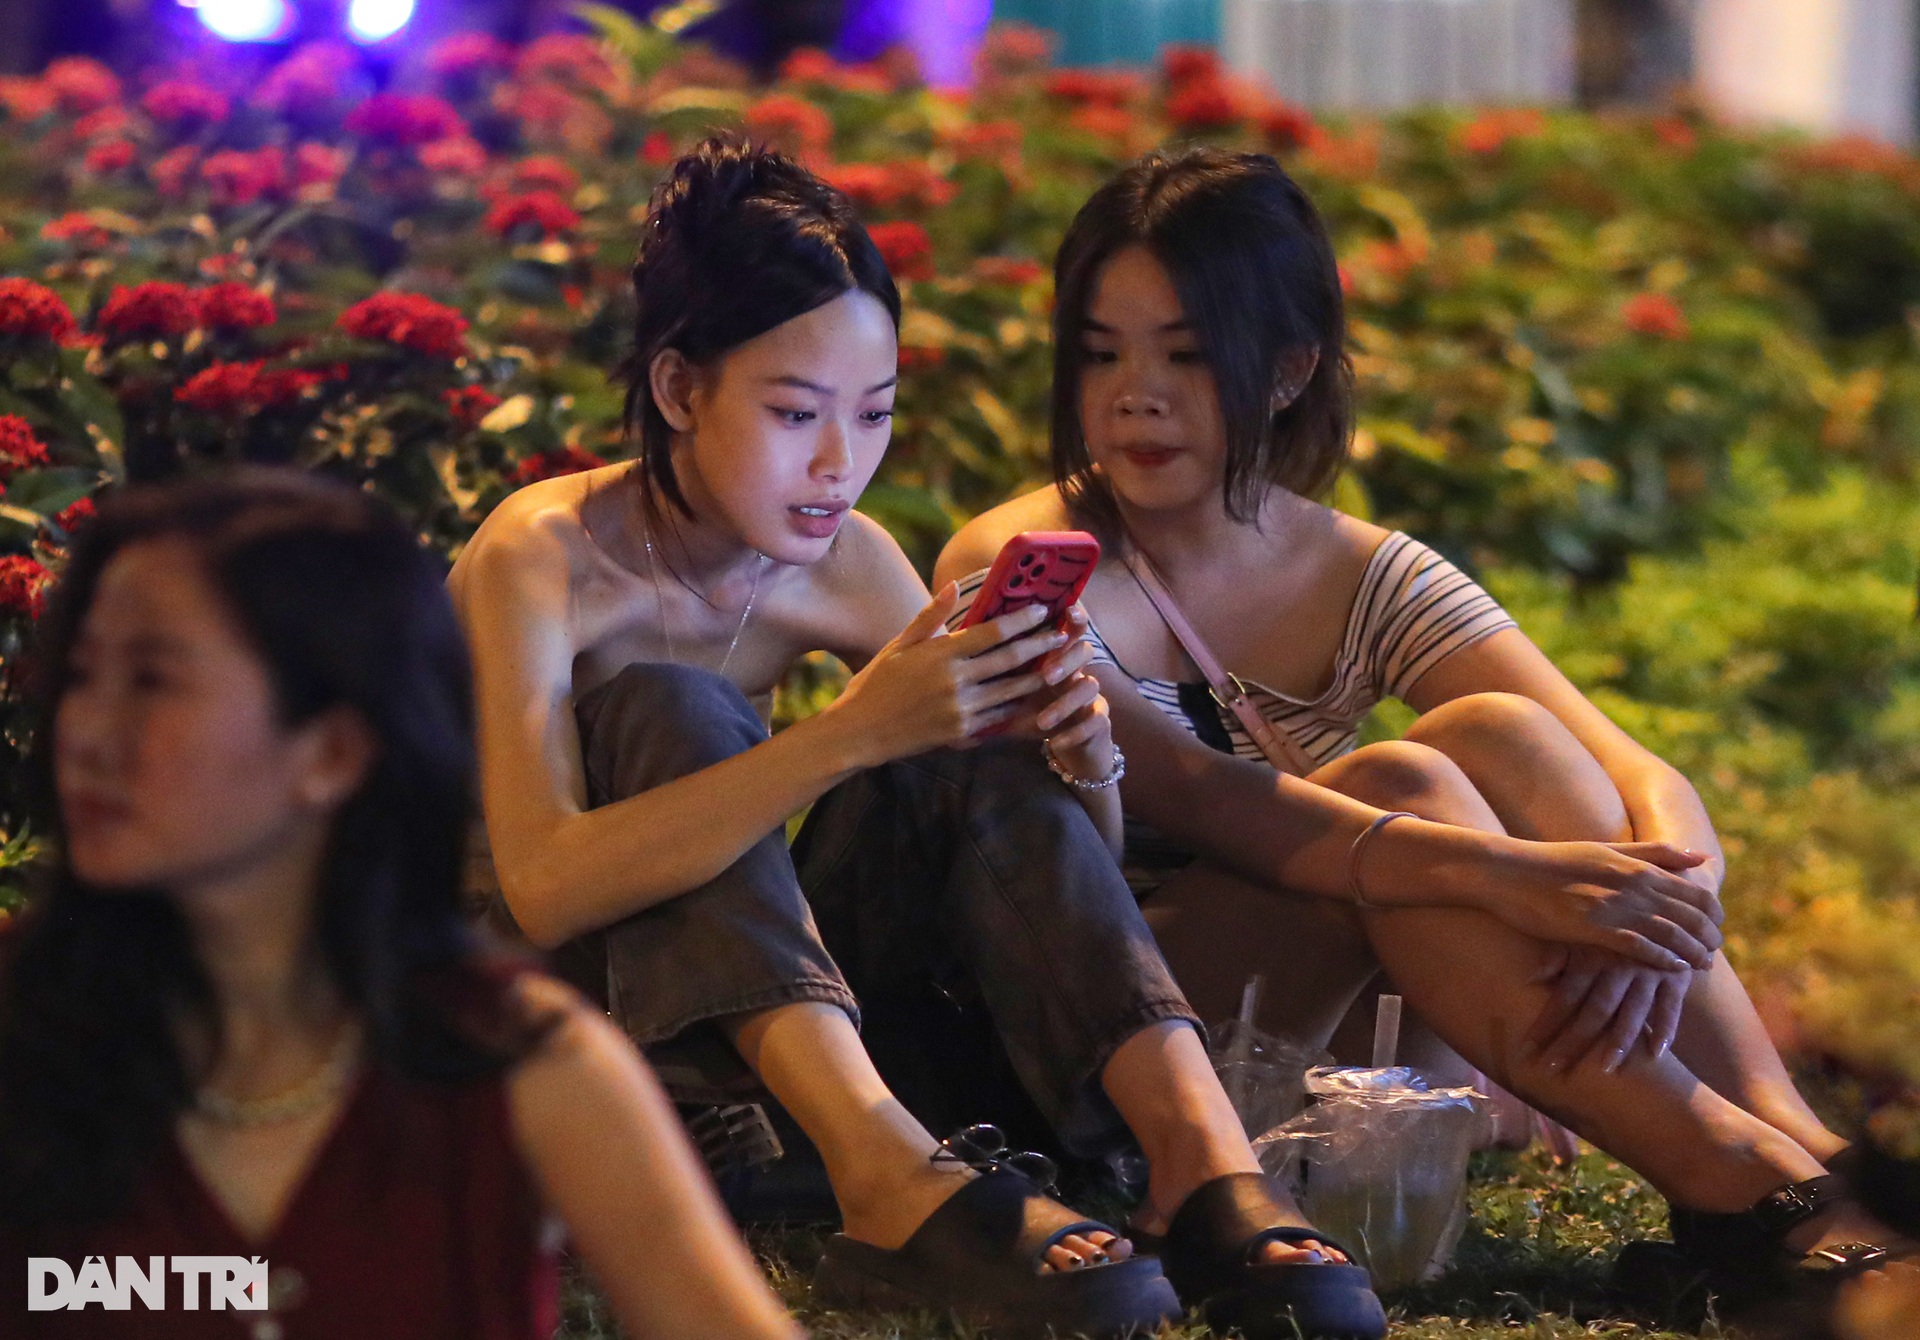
{"x": 975, "y": 544}
{"x": 537, "y": 529}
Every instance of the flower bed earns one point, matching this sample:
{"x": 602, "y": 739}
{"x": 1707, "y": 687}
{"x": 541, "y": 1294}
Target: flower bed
{"x": 1605, "y": 359}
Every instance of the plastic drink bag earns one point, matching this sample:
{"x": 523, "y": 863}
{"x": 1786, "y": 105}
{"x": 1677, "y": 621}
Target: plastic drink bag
{"x": 1264, "y": 1075}
{"x": 1380, "y": 1160}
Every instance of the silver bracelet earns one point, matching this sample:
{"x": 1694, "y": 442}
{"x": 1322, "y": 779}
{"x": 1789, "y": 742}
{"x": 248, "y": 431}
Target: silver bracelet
{"x": 1359, "y": 848}
{"x": 1113, "y": 776}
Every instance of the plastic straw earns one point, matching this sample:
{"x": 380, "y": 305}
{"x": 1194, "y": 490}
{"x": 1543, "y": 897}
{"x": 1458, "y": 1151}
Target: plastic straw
{"x": 1386, "y": 1032}
{"x": 1241, "y": 1051}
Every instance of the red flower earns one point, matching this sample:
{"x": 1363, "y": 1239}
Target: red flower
{"x": 320, "y": 166}
{"x": 109, "y": 156}
{"x": 1490, "y": 132}
{"x": 1656, "y": 315}
{"x": 549, "y": 114}
{"x": 76, "y": 515}
{"x": 469, "y": 404}
{"x": 465, "y": 53}
{"x": 1285, "y": 125}
{"x": 1012, "y": 271}
{"x": 1675, "y": 133}
{"x": 234, "y": 306}
{"x": 542, "y": 210}
{"x": 108, "y": 122}
{"x": 236, "y": 177}
{"x": 552, "y": 464}
{"x": 19, "y": 448}
{"x": 25, "y": 99}
{"x": 405, "y": 120}
{"x": 307, "y": 80}
{"x": 988, "y": 139}
{"x": 567, "y": 58}
{"x": 457, "y": 157}
{"x": 34, "y": 311}
{"x": 170, "y": 170}
{"x": 237, "y": 389}
{"x": 23, "y": 586}
{"x": 921, "y": 357}
{"x": 906, "y": 248}
{"x": 1105, "y": 121}
{"x": 657, "y": 149}
{"x": 790, "y": 124}
{"x": 152, "y": 310}
{"x": 409, "y": 321}
{"x": 178, "y": 102}
{"x": 81, "y": 85}
{"x": 545, "y": 172}
{"x": 1012, "y": 47}
{"x": 809, "y": 65}
{"x": 1108, "y": 86}
{"x": 1205, "y": 104}
{"x": 1184, "y": 64}
{"x": 80, "y": 229}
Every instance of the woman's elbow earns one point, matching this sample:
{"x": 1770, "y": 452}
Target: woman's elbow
{"x": 531, "y": 900}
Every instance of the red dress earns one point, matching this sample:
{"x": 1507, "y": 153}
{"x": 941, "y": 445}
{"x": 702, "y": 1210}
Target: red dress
{"x": 417, "y": 1219}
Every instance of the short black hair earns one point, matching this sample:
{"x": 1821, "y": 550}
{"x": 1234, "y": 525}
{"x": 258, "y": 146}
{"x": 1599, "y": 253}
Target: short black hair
{"x": 738, "y": 239}
{"x": 1255, "y": 271}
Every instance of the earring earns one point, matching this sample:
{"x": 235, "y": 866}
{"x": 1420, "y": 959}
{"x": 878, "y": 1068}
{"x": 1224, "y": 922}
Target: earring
{"x": 1285, "y": 395}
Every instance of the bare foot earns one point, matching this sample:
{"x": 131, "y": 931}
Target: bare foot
{"x": 886, "y": 1213}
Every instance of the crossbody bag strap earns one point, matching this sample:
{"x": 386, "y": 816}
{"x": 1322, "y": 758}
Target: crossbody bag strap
{"x": 1280, "y": 748}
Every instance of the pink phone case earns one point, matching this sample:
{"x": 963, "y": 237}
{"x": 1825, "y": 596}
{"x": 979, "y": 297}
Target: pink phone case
{"x": 1049, "y": 567}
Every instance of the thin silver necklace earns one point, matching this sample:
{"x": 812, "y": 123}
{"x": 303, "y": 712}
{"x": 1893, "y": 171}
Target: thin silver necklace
{"x": 660, "y": 602}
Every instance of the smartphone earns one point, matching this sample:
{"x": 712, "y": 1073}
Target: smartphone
{"x": 1036, "y": 567}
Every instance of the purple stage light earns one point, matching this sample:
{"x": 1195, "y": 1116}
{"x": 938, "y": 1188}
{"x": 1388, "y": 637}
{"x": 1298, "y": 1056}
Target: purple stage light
{"x": 377, "y": 20}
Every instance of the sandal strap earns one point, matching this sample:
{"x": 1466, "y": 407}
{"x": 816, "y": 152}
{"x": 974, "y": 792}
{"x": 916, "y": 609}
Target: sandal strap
{"x": 1780, "y": 1212}
{"x": 992, "y": 1217}
{"x": 1218, "y": 1230}
{"x": 1292, "y": 1235}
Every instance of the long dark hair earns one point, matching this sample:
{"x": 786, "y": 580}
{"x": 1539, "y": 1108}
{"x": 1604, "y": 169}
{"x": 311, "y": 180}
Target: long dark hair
{"x": 1257, "y": 279}
{"x": 737, "y": 240}
{"x": 344, "y": 608}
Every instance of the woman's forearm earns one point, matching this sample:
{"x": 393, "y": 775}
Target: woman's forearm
{"x": 581, "y": 871}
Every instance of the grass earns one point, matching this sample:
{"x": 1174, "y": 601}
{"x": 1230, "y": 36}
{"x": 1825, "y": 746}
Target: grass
{"x": 1532, "y": 1266}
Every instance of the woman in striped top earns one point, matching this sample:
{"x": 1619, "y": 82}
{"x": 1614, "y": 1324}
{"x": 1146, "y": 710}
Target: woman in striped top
{"x": 1550, "y": 905}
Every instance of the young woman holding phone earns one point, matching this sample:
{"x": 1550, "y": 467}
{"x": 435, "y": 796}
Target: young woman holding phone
{"x": 1542, "y": 889}
{"x": 629, "y": 625}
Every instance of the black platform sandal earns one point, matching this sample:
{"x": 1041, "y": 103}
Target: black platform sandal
{"x": 1209, "y": 1253}
{"x": 1738, "y": 1262}
{"x": 979, "y": 1256}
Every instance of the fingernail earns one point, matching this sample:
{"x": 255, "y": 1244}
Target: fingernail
{"x": 1613, "y": 1061}
{"x": 1666, "y": 1045}
{"x": 1055, "y": 675}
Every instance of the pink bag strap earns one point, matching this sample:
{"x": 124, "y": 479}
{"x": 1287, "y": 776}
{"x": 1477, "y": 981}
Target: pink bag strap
{"x": 1280, "y": 748}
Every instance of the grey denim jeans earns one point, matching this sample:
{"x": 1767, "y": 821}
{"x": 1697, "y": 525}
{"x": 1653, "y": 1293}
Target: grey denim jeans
{"x": 969, "y": 878}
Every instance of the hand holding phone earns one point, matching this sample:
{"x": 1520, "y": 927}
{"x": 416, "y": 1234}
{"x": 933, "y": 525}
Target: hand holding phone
{"x": 1036, "y": 567}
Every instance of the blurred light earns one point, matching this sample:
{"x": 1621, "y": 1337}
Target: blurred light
{"x": 373, "y": 20}
{"x": 247, "y": 20}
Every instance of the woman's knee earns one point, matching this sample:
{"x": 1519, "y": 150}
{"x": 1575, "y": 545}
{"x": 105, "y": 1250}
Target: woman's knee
{"x": 654, "y": 722}
{"x": 1533, "y": 770}
{"x": 1405, "y": 775}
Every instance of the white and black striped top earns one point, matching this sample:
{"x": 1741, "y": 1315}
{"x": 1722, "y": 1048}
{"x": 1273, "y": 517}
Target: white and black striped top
{"x": 1412, "y": 611}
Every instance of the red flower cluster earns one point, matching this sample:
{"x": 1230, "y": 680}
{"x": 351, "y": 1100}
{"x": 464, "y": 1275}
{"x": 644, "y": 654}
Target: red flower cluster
{"x": 906, "y": 248}
{"x": 236, "y": 177}
{"x": 109, "y": 156}
{"x": 409, "y": 321}
{"x": 34, "y": 311}
{"x": 469, "y": 404}
{"x": 1105, "y": 121}
{"x": 1862, "y": 154}
{"x": 319, "y": 166}
{"x": 1000, "y": 140}
{"x": 25, "y": 99}
{"x": 19, "y": 448}
{"x": 1285, "y": 125}
{"x": 545, "y": 172}
{"x": 81, "y": 85}
{"x": 467, "y": 53}
{"x": 169, "y": 172}
{"x": 541, "y": 211}
{"x": 1012, "y": 48}
{"x": 237, "y": 389}
{"x": 109, "y": 122}
{"x": 1205, "y": 104}
{"x": 182, "y": 102}
{"x": 81, "y": 229}
{"x": 813, "y": 66}
{"x": 904, "y": 182}
{"x": 1675, "y": 132}
{"x": 156, "y": 310}
{"x": 457, "y": 157}
{"x": 567, "y": 58}
{"x": 23, "y": 586}
{"x": 405, "y": 120}
{"x": 1655, "y": 315}
{"x": 657, "y": 149}
{"x": 308, "y": 80}
{"x": 790, "y": 124}
{"x": 1111, "y": 87}
{"x": 921, "y": 357}
{"x": 552, "y": 464}
{"x": 234, "y": 306}
{"x": 1012, "y": 271}
{"x": 1490, "y": 132}
{"x": 1183, "y": 64}
{"x": 76, "y": 515}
